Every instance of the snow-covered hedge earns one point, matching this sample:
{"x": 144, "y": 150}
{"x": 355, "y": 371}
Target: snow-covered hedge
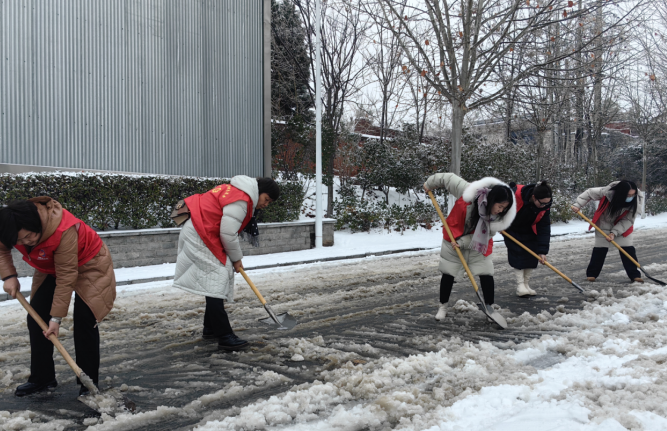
{"x": 110, "y": 201}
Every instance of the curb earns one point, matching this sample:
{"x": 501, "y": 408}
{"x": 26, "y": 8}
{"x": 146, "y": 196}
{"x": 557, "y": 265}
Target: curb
{"x": 5, "y": 296}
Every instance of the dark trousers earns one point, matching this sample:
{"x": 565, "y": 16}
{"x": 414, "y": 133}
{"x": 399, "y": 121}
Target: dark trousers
{"x": 486, "y": 281}
{"x": 599, "y": 255}
{"x": 86, "y": 337}
{"x": 215, "y": 317}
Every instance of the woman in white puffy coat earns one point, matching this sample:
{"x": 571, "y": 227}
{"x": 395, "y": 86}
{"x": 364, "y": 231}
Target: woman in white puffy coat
{"x": 482, "y": 208}
{"x": 615, "y": 215}
{"x": 209, "y": 251}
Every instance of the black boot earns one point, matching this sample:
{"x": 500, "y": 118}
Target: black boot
{"x": 32, "y": 388}
{"x": 232, "y": 343}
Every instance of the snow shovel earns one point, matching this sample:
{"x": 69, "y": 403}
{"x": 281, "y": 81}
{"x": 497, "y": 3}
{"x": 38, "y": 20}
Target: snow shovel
{"x": 283, "y": 321}
{"x": 546, "y": 263}
{"x": 111, "y": 401}
{"x": 619, "y": 248}
{"x": 487, "y": 309}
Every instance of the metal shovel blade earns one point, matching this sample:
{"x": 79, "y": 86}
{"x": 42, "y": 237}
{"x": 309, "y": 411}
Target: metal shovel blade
{"x": 661, "y": 283}
{"x": 490, "y": 312}
{"x": 282, "y": 321}
{"x": 579, "y": 288}
{"x": 110, "y": 401}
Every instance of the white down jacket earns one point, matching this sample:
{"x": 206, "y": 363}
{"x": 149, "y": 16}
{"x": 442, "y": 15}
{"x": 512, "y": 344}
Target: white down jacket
{"x": 197, "y": 269}
{"x": 460, "y": 188}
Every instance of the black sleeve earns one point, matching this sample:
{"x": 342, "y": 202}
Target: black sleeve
{"x": 544, "y": 234}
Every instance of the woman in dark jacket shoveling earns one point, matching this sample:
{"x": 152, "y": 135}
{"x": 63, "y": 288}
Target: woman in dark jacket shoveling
{"x": 531, "y": 227}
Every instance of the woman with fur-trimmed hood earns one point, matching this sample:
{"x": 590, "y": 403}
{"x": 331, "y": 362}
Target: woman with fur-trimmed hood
{"x": 209, "y": 251}
{"x": 615, "y": 216}
{"x": 482, "y": 208}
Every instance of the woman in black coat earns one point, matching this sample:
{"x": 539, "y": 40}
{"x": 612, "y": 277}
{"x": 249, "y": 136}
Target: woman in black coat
{"x": 531, "y": 227}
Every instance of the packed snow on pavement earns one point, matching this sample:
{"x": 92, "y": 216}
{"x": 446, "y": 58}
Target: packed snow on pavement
{"x": 368, "y": 355}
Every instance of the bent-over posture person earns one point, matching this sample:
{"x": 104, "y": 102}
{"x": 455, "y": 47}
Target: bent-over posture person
{"x": 531, "y": 227}
{"x": 615, "y": 216}
{"x": 68, "y": 256}
{"x": 209, "y": 251}
{"x": 482, "y": 208}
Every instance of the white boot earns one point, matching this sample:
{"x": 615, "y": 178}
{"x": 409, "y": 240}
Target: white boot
{"x": 442, "y": 312}
{"x": 526, "y": 277}
{"x": 521, "y": 286}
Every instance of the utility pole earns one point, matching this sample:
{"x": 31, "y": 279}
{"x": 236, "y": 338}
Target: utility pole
{"x": 318, "y": 127}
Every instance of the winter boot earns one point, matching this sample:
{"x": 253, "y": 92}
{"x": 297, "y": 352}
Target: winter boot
{"x": 526, "y": 277}
{"x": 442, "y": 312}
{"x": 638, "y": 280}
{"x": 591, "y": 279}
{"x": 521, "y": 290}
{"x": 232, "y": 343}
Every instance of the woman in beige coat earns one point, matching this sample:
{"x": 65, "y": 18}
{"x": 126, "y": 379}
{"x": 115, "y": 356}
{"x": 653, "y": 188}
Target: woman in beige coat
{"x": 68, "y": 256}
{"x": 615, "y": 216}
{"x": 482, "y": 208}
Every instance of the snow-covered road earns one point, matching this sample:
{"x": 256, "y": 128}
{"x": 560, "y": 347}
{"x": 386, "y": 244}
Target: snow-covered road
{"x": 368, "y": 355}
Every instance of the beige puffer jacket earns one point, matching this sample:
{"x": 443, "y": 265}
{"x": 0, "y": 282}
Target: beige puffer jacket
{"x": 606, "y": 223}
{"x": 94, "y": 282}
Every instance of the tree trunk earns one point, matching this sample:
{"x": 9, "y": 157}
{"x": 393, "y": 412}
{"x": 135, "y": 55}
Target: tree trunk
{"x": 540, "y": 155}
{"x": 457, "y": 134}
{"x": 330, "y": 187}
{"x": 597, "y": 99}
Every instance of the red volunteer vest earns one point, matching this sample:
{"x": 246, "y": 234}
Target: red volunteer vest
{"x": 41, "y": 256}
{"x": 456, "y": 220}
{"x": 206, "y": 212}
{"x": 519, "y": 204}
{"x": 602, "y": 206}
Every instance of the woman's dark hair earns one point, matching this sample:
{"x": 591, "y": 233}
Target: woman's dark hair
{"x": 542, "y": 191}
{"x": 618, "y": 204}
{"x": 498, "y": 194}
{"x": 18, "y": 215}
{"x": 268, "y": 186}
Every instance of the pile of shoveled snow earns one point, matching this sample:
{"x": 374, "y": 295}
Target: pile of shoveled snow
{"x": 603, "y": 368}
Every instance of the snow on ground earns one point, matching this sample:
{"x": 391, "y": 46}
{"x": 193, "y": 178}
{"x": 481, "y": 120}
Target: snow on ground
{"x": 606, "y": 372}
{"x": 599, "y": 368}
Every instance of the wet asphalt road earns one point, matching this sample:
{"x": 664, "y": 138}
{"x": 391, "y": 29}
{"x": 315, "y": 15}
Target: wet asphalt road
{"x": 387, "y": 303}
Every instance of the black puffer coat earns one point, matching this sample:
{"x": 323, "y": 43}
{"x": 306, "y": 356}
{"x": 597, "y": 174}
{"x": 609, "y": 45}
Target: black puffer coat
{"x": 522, "y": 230}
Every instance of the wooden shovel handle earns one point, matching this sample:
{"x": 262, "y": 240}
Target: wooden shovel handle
{"x": 536, "y": 256}
{"x": 608, "y": 239}
{"x": 453, "y": 241}
{"x": 252, "y": 286}
{"x": 52, "y": 337}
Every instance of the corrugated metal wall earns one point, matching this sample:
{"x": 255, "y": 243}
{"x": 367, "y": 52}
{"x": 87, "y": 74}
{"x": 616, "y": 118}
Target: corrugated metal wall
{"x": 151, "y": 86}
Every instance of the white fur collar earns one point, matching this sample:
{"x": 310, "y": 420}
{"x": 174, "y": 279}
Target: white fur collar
{"x": 471, "y": 191}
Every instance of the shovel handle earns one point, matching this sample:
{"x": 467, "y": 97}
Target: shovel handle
{"x": 453, "y": 241}
{"x": 536, "y": 256}
{"x": 52, "y": 337}
{"x": 252, "y": 286}
{"x": 608, "y": 239}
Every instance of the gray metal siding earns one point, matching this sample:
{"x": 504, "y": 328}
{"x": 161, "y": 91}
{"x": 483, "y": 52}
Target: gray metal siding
{"x": 151, "y": 86}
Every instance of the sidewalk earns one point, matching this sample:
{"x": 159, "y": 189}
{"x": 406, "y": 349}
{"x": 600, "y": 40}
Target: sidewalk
{"x": 348, "y": 246}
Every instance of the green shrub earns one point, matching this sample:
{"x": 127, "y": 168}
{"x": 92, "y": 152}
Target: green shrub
{"x": 110, "y": 201}
{"x": 288, "y": 207}
{"x": 359, "y": 215}
{"x": 656, "y": 204}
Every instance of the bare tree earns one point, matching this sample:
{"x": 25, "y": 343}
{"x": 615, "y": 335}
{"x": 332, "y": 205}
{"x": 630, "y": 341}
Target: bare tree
{"x": 342, "y": 34}
{"x": 461, "y": 44}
